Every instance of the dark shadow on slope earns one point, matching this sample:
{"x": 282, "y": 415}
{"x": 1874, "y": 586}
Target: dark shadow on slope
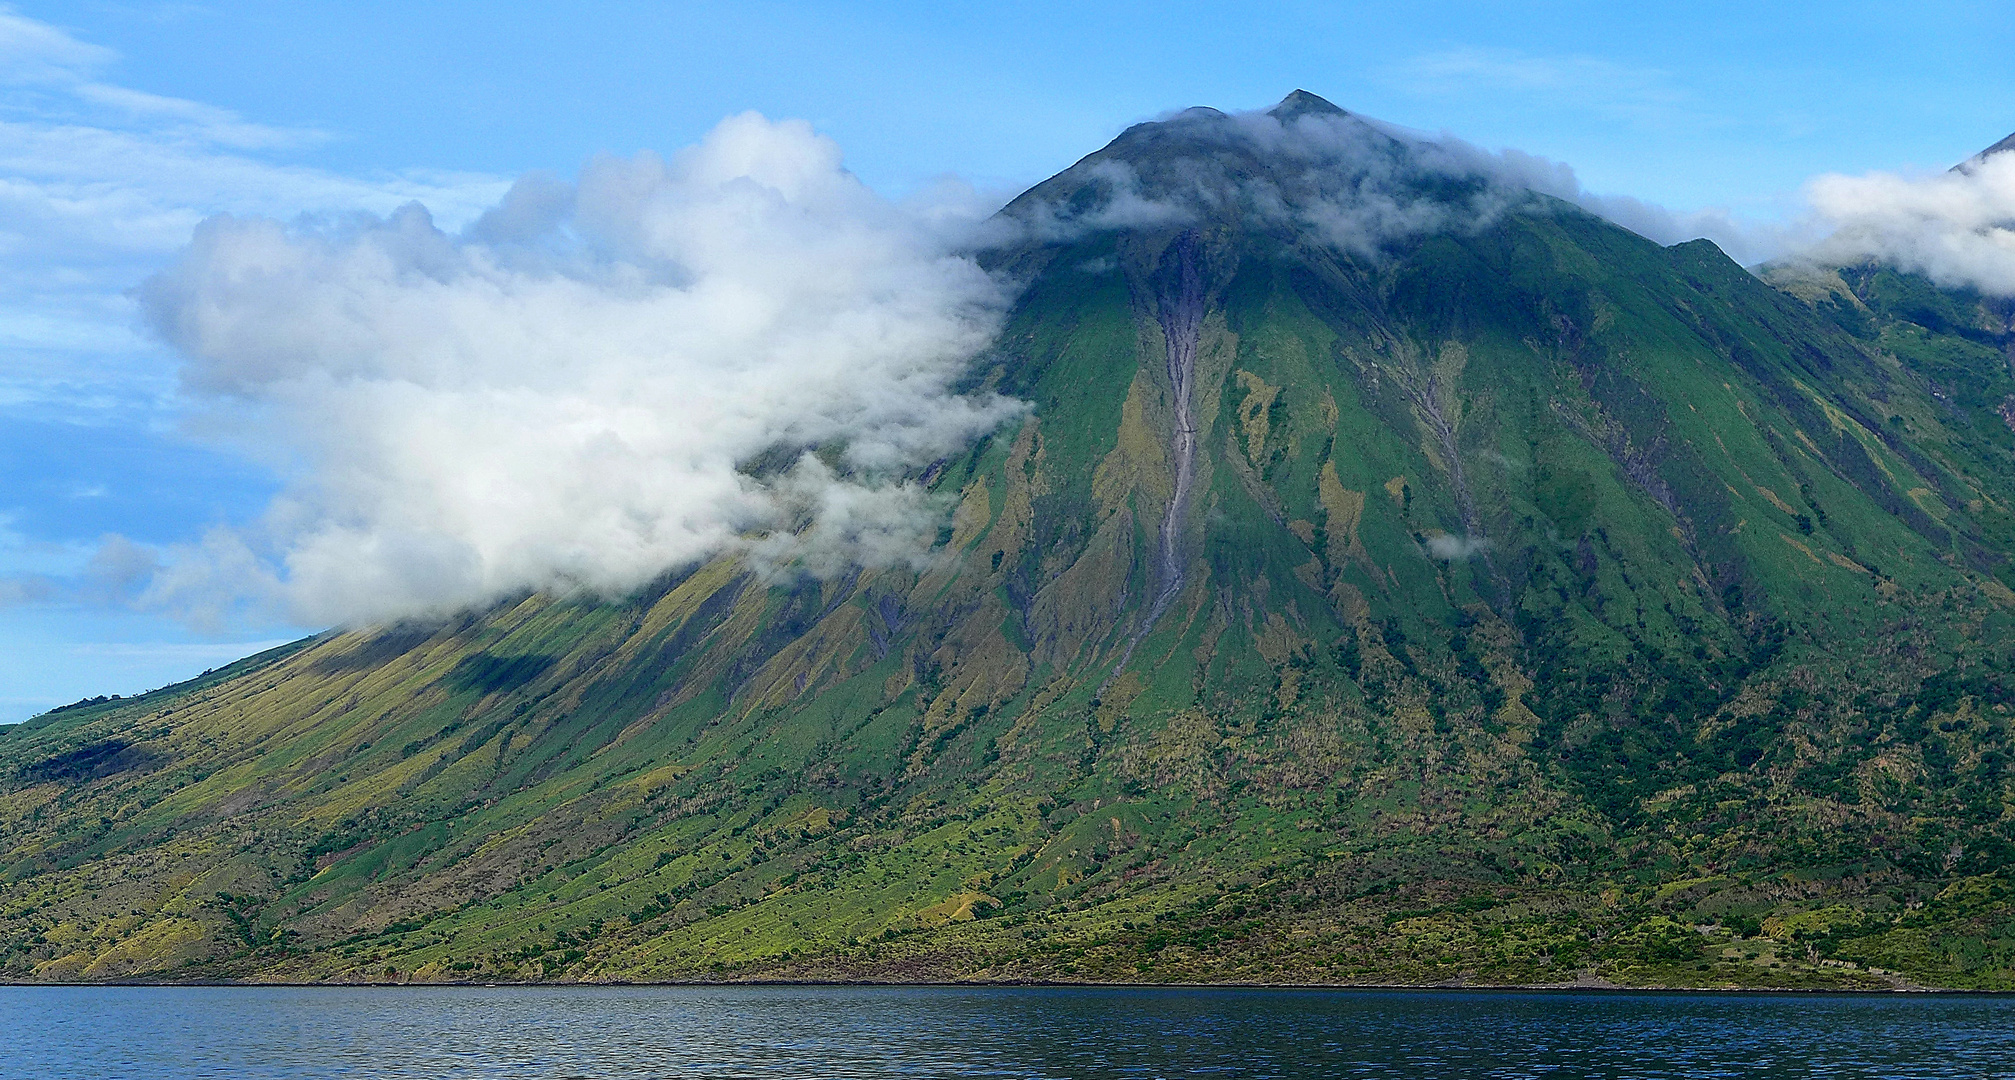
{"x": 386, "y": 645}
{"x": 487, "y": 674}
{"x": 91, "y": 761}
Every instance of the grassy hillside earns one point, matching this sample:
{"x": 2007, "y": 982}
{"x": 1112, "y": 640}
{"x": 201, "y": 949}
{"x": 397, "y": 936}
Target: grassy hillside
{"x": 1542, "y": 605}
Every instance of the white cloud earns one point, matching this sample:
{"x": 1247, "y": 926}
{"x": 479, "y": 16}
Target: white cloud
{"x": 1118, "y": 204}
{"x": 1449, "y": 547}
{"x": 558, "y": 385}
{"x": 559, "y": 396}
{"x": 564, "y": 395}
{"x": 1957, "y": 227}
{"x": 830, "y": 526}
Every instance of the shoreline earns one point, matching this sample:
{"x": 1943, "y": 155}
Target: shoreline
{"x": 1034, "y": 984}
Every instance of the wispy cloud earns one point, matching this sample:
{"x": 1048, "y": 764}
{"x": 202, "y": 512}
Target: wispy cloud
{"x": 206, "y": 123}
{"x": 102, "y": 183}
{"x": 189, "y": 652}
{"x": 34, "y": 52}
{"x": 1604, "y": 87}
{"x": 1360, "y": 183}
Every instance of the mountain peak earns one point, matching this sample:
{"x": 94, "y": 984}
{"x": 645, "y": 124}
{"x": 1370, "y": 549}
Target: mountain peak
{"x": 1303, "y": 103}
{"x": 2006, "y": 145}
{"x": 1302, "y": 168}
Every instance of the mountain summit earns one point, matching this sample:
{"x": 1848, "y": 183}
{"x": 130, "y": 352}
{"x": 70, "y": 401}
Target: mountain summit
{"x": 1304, "y": 171}
{"x": 1399, "y": 576}
{"x": 1303, "y": 103}
{"x": 2002, "y": 147}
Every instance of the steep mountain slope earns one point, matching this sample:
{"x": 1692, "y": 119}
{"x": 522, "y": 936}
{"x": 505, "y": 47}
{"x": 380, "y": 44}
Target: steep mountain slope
{"x": 1400, "y": 576}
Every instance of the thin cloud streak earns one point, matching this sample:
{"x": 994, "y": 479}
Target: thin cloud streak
{"x": 1617, "y": 91}
{"x": 100, "y": 184}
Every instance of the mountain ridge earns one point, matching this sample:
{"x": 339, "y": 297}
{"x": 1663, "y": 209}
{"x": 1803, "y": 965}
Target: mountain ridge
{"x": 1400, "y": 577}
{"x": 2002, "y": 147}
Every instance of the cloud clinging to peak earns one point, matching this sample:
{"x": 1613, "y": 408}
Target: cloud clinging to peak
{"x": 1360, "y": 184}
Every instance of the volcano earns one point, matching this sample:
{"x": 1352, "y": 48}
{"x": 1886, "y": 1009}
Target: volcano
{"x": 1401, "y": 575}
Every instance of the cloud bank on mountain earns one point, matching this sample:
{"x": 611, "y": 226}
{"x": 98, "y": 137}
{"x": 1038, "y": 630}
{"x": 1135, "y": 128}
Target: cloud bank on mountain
{"x": 1306, "y": 167}
{"x": 567, "y": 394}
{"x": 1365, "y": 186}
{"x": 1955, "y": 227}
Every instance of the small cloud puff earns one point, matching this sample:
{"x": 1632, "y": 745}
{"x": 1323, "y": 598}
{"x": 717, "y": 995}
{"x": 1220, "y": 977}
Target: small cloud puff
{"x": 1451, "y": 548}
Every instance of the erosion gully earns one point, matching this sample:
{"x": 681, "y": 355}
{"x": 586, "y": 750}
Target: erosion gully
{"x": 1180, "y": 312}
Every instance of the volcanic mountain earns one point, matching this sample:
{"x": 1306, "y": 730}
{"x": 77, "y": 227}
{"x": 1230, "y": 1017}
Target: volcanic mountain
{"x": 1400, "y": 575}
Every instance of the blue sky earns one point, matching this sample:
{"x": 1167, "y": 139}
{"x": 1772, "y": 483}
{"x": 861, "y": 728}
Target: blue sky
{"x": 124, "y": 124}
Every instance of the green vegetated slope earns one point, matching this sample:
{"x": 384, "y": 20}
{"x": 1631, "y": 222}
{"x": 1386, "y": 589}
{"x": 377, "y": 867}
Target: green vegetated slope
{"x": 1547, "y": 605}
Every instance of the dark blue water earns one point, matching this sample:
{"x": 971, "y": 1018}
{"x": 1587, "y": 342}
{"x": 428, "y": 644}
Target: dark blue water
{"x": 90, "y": 1032}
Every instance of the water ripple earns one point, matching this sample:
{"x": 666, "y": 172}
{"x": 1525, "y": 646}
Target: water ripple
{"x": 1028, "y": 1033}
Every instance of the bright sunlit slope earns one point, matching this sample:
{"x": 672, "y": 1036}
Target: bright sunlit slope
{"x": 1400, "y": 576}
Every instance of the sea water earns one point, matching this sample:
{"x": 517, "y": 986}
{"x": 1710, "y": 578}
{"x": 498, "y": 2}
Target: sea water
{"x": 802, "y": 1032}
